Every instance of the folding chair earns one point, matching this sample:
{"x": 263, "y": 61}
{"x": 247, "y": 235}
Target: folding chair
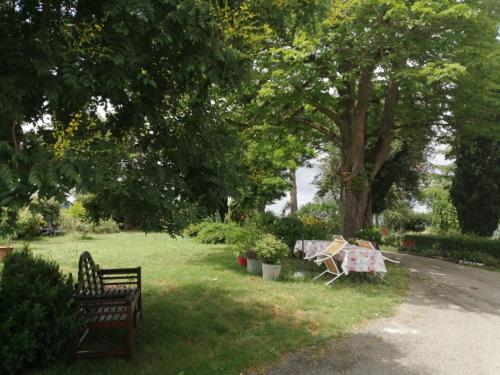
{"x": 331, "y": 250}
{"x": 369, "y": 245}
{"x": 327, "y": 257}
{"x": 338, "y": 237}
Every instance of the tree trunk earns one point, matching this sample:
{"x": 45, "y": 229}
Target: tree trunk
{"x": 355, "y": 198}
{"x": 293, "y": 192}
{"x": 356, "y": 212}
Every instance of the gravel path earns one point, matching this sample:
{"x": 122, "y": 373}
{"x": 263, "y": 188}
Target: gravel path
{"x": 450, "y": 324}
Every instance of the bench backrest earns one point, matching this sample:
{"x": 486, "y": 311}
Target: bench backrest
{"x": 89, "y": 280}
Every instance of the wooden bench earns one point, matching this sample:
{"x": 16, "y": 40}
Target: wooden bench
{"x": 108, "y": 298}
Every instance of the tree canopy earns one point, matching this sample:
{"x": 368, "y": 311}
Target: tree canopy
{"x": 169, "y": 107}
{"x": 370, "y": 76}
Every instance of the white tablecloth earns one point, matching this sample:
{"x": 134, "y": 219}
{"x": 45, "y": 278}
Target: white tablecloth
{"x": 311, "y": 247}
{"x": 361, "y": 259}
{"x": 352, "y": 258}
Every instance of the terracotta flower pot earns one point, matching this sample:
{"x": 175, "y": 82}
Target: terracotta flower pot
{"x": 242, "y": 261}
{"x": 4, "y": 251}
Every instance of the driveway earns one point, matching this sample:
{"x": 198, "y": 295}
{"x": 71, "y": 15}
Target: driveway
{"x": 450, "y": 324}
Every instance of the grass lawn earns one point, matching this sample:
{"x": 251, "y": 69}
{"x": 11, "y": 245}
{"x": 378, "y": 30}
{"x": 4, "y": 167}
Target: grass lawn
{"x": 203, "y": 314}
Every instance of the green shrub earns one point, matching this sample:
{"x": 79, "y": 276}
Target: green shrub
{"x": 288, "y": 229}
{"x": 7, "y": 224}
{"x": 372, "y": 234}
{"x": 325, "y": 212}
{"x": 292, "y": 228}
{"x": 37, "y": 318}
{"x": 417, "y": 222}
{"x": 214, "y": 232}
{"x": 106, "y": 226}
{"x": 404, "y": 219}
{"x": 456, "y": 247}
{"x": 271, "y": 250}
{"x": 243, "y": 239}
{"x": 394, "y": 239}
{"x": 84, "y": 228}
{"x": 77, "y": 210}
{"x": 67, "y": 222}
{"x": 28, "y": 224}
{"x": 192, "y": 230}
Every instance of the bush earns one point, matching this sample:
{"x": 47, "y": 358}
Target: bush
{"x": 394, "y": 239}
{"x": 271, "y": 250}
{"x": 372, "y": 234}
{"x": 326, "y": 213}
{"x": 192, "y": 230}
{"x": 214, "y": 232}
{"x": 37, "y": 319}
{"x": 243, "y": 239}
{"x": 292, "y": 228}
{"x": 77, "y": 210}
{"x": 456, "y": 247}
{"x": 84, "y": 228}
{"x": 28, "y": 224}
{"x": 404, "y": 219}
{"x": 7, "y": 224}
{"x": 67, "y": 222}
{"x": 106, "y": 226}
{"x": 288, "y": 229}
{"x": 417, "y": 222}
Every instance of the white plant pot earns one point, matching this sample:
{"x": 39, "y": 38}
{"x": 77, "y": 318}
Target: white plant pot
{"x": 271, "y": 271}
{"x": 254, "y": 266}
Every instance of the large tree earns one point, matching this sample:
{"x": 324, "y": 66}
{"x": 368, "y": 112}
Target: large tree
{"x": 66, "y": 64}
{"x": 369, "y": 73}
{"x": 475, "y": 191}
{"x": 475, "y": 142}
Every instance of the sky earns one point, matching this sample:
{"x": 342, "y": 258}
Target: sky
{"x": 306, "y": 190}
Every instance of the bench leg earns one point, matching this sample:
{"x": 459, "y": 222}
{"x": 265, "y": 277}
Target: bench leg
{"x": 140, "y": 306}
{"x": 130, "y": 330}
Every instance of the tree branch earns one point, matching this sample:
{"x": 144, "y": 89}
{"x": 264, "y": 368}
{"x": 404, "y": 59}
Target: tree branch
{"x": 320, "y": 127}
{"x": 386, "y": 134}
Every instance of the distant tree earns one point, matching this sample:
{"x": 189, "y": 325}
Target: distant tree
{"x": 436, "y": 195}
{"x": 475, "y": 190}
{"x": 270, "y": 154}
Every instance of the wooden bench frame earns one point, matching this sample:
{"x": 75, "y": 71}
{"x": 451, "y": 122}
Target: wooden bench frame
{"x": 107, "y": 298}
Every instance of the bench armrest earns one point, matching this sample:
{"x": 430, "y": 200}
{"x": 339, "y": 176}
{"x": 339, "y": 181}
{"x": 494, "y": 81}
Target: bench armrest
{"x": 120, "y": 271}
{"x": 121, "y": 276}
{"x": 97, "y": 299}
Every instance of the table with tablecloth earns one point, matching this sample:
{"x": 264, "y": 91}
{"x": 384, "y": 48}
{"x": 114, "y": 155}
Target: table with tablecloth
{"x": 352, "y": 258}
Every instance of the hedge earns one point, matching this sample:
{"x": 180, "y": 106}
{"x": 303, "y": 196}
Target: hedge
{"x": 454, "y": 247}
{"x": 37, "y": 319}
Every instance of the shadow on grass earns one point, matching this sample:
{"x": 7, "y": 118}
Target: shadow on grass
{"x": 199, "y": 329}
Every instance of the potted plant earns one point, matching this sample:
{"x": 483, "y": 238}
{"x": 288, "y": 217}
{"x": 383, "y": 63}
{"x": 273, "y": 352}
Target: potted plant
{"x": 271, "y": 251}
{"x": 5, "y": 248}
{"x": 241, "y": 258}
{"x": 254, "y": 264}
{"x": 242, "y": 240}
